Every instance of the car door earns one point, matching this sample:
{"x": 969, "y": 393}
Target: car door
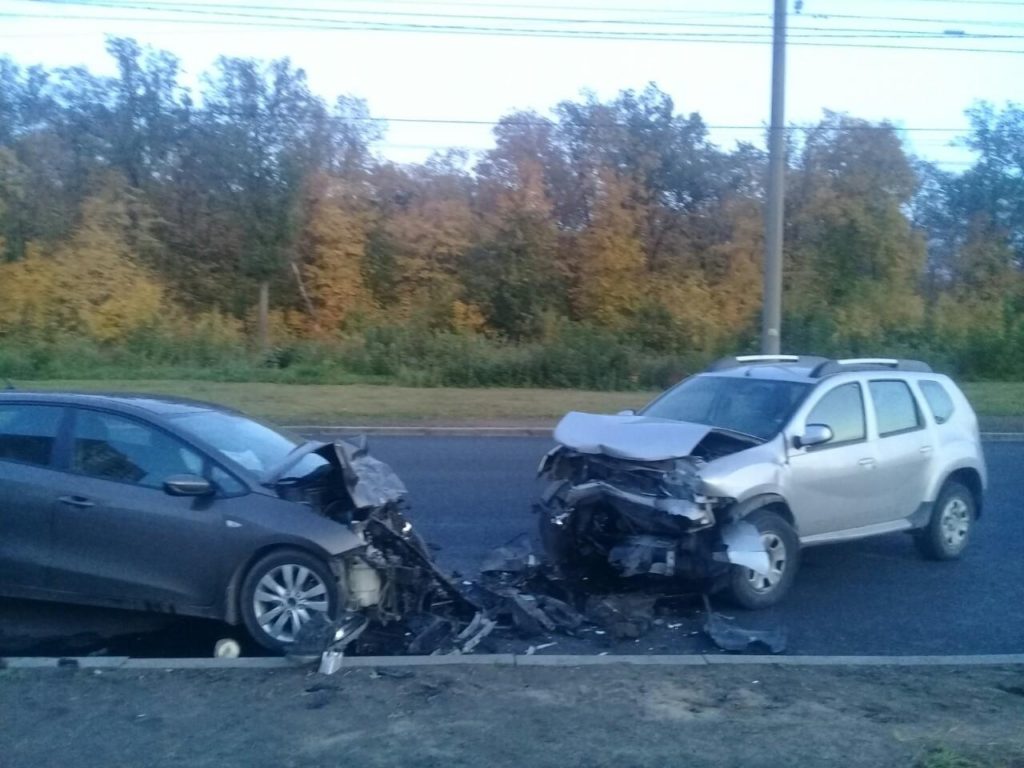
{"x": 905, "y": 449}
{"x": 28, "y": 436}
{"x": 833, "y": 486}
{"x": 117, "y": 534}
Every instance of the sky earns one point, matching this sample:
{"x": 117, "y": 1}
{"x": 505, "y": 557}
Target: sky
{"x": 476, "y": 61}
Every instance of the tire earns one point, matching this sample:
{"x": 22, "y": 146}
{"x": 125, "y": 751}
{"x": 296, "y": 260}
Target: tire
{"x": 281, "y": 592}
{"x": 949, "y": 529}
{"x": 751, "y": 590}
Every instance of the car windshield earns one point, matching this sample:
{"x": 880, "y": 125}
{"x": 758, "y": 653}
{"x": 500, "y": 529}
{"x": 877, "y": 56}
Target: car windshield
{"x": 758, "y": 407}
{"x": 253, "y": 445}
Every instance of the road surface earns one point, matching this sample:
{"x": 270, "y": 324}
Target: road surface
{"x": 870, "y": 597}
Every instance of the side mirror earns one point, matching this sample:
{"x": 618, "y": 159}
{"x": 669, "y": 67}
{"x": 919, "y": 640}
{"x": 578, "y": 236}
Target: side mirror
{"x": 188, "y": 485}
{"x": 814, "y": 434}
{"x": 627, "y": 412}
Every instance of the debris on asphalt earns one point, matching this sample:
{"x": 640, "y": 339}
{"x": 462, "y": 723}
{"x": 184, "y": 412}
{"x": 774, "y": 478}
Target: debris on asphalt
{"x": 396, "y": 674}
{"x": 624, "y": 616}
{"x": 475, "y": 632}
{"x": 227, "y": 648}
{"x": 730, "y": 637}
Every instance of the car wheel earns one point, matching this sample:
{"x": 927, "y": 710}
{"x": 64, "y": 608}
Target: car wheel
{"x": 753, "y": 590}
{"x": 948, "y": 530}
{"x": 282, "y": 592}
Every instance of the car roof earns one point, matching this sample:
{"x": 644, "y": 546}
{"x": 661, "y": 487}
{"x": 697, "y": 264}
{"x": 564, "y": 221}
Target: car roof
{"x": 160, "y": 405}
{"x": 777, "y": 372}
{"x": 812, "y": 369}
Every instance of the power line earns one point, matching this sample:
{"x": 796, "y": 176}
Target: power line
{"x": 715, "y": 127}
{"x": 237, "y": 11}
{"x": 914, "y": 19}
{"x": 716, "y": 38}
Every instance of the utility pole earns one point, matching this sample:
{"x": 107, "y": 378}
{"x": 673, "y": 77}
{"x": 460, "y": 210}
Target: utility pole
{"x": 771, "y": 321}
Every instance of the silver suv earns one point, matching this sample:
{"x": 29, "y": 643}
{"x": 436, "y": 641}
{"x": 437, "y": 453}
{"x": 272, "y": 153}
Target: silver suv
{"x": 726, "y": 476}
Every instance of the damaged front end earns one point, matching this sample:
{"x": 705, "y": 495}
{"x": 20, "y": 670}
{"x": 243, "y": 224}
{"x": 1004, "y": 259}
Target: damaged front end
{"x": 390, "y": 575}
{"x": 625, "y": 498}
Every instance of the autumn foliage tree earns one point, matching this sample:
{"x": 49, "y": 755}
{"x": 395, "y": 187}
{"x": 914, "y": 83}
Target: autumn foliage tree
{"x": 133, "y": 208}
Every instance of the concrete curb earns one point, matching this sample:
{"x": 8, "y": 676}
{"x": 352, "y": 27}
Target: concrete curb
{"x": 509, "y": 660}
{"x": 457, "y": 431}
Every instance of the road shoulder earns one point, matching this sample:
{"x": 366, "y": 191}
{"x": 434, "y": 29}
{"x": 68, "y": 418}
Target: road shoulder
{"x": 751, "y": 714}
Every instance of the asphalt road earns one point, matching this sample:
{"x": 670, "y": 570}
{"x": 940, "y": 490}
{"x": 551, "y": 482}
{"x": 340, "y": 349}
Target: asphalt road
{"x": 870, "y": 597}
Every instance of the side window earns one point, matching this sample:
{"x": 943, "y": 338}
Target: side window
{"x": 895, "y": 407}
{"x": 939, "y": 401}
{"x": 842, "y": 411}
{"x": 28, "y": 432}
{"x": 115, "y": 448}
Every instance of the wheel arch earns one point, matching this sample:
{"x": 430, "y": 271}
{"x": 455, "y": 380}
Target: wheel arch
{"x": 772, "y": 501}
{"x": 970, "y": 478}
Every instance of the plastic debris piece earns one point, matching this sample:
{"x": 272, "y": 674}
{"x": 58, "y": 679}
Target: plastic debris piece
{"x": 730, "y": 637}
{"x": 744, "y": 547}
{"x": 226, "y": 648}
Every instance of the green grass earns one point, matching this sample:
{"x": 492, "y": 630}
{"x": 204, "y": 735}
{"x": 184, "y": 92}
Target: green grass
{"x": 1000, "y": 405}
{"x": 371, "y": 404}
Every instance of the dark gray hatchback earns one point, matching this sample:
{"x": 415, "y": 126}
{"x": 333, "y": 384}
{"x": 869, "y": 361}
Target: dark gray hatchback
{"x": 173, "y": 505}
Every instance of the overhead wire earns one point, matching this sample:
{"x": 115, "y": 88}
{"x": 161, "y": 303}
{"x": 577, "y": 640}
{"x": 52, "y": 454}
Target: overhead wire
{"x": 814, "y": 37}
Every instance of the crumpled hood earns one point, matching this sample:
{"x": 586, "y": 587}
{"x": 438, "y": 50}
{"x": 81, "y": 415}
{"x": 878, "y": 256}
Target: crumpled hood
{"x": 634, "y": 438}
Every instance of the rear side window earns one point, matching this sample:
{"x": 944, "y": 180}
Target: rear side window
{"x": 938, "y": 399}
{"x": 895, "y": 407}
{"x": 842, "y": 411}
{"x": 28, "y": 432}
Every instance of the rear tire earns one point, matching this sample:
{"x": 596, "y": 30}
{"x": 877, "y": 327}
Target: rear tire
{"x": 949, "y": 529}
{"x": 752, "y": 590}
{"x": 282, "y": 592}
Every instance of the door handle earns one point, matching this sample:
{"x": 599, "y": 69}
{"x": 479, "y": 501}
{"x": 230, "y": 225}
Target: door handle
{"x": 926, "y": 449}
{"x": 867, "y": 463}
{"x": 77, "y": 501}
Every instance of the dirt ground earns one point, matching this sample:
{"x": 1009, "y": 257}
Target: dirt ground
{"x": 750, "y": 715}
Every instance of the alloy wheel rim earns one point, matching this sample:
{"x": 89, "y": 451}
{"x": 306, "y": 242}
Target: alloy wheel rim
{"x": 286, "y": 598}
{"x": 955, "y": 524}
{"x": 776, "y": 549}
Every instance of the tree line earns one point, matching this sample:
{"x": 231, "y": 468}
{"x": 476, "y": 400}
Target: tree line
{"x": 255, "y": 213}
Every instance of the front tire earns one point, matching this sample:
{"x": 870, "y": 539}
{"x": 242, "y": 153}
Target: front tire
{"x": 753, "y": 590}
{"x": 282, "y": 592}
{"x": 948, "y": 531}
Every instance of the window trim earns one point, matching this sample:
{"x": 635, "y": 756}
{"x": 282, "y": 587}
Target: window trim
{"x": 841, "y": 444}
{"x": 71, "y": 420}
{"x": 52, "y": 463}
{"x": 913, "y": 398}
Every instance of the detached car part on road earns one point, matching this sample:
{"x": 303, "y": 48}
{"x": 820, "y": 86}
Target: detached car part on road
{"x": 185, "y": 507}
{"x": 724, "y": 478}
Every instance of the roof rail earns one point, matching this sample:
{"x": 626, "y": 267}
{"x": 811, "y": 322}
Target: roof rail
{"x": 832, "y": 367}
{"x": 735, "y": 362}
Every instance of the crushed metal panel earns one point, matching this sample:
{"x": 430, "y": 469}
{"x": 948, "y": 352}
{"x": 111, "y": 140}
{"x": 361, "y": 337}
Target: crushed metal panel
{"x": 635, "y": 438}
{"x": 370, "y": 482}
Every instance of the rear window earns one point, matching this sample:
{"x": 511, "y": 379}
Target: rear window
{"x": 28, "y": 432}
{"x": 938, "y": 399}
{"x": 895, "y": 407}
